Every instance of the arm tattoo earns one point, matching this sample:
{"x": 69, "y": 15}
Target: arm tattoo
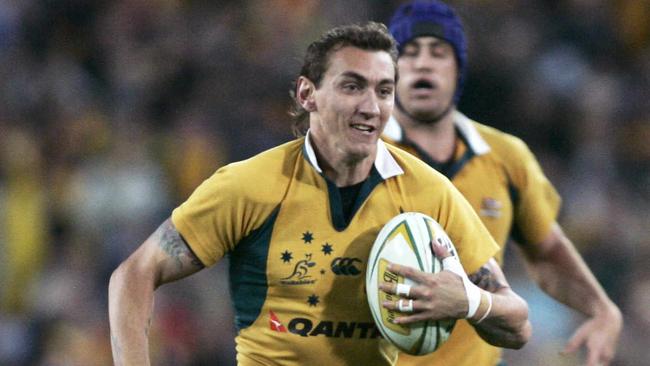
{"x": 174, "y": 245}
{"x": 485, "y": 279}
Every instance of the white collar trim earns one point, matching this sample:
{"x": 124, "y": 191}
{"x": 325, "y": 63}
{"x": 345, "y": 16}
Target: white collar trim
{"x": 385, "y": 163}
{"x": 474, "y": 139}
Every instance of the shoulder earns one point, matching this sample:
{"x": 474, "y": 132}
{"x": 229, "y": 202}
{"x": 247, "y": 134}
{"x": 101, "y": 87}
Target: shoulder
{"x": 501, "y": 143}
{"x": 506, "y": 150}
{"x": 516, "y": 159}
{"x": 421, "y": 183}
{"x": 261, "y": 176}
{"x": 399, "y": 144}
{"x": 414, "y": 167}
{"x": 274, "y": 159}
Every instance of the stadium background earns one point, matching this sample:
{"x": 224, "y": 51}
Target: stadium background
{"x": 111, "y": 112}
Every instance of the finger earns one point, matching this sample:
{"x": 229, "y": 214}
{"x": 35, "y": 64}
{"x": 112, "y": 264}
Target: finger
{"x": 575, "y": 342}
{"x": 597, "y": 355}
{"x": 412, "y": 318}
{"x": 405, "y": 306}
{"x": 415, "y": 291}
{"x": 593, "y": 359}
{"x": 452, "y": 264}
{"x": 408, "y": 272}
{"x": 388, "y": 287}
{"x": 449, "y": 262}
{"x": 400, "y": 289}
{"x": 439, "y": 250}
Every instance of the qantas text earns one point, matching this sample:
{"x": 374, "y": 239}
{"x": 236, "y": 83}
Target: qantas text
{"x": 306, "y": 328}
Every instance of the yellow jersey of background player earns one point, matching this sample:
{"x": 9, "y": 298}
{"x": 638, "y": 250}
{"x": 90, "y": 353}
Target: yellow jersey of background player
{"x": 500, "y": 178}
{"x": 297, "y": 269}
{"x": 497, "y": 174}
{"x": 505, "y": 185}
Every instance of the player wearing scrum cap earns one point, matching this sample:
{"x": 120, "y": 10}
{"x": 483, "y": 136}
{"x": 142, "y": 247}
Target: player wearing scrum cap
{"x": 498, "y": 175}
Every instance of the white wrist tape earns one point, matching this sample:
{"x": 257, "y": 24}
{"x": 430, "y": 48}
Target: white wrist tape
{"x": 471, "y": 290}
{"x": 487, "y": 312}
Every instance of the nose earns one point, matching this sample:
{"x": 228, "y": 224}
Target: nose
{"x": 423, "y": 61}
{"x": 369, "y": 106}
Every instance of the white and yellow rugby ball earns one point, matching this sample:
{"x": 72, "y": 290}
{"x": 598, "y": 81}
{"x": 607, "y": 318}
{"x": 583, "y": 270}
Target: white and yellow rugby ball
{"x": 405, "y": 240}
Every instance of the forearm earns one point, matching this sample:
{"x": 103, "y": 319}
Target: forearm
{"x": 499, "y": 315}
{"x": 130, "y": 309}
{"x": 504, "y": 323}
{"x": 502, "y": 317}
{"x": 560, "y": 271}
{"x": 162, "y": 258}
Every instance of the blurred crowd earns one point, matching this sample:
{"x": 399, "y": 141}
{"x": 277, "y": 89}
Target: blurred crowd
{"x": 111, "y": 112}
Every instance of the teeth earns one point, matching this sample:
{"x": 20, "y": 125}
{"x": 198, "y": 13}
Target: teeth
{"x": 362, "y": 127}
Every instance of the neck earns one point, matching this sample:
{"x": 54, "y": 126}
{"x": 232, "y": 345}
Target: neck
{"x": 344, "y": 170}
{"x": 347, "y": 175}
{"x": 437, "y": 139}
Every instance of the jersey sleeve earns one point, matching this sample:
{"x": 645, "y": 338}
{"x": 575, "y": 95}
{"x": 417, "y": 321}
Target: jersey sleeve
{"x": 471, "y": 238}
{"x": 536, "y": 202}
{"x": 219, "y": 214}
{"x": 443, "y": 202}
{"x": 426, "y": 190}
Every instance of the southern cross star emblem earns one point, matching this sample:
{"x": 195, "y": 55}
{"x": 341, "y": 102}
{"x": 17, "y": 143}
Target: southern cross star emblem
{"x": 327, "y": 249}
{"x": 313, "y": 300}
{"x": 307, "y": 237}
{"x": 286, "y": 256}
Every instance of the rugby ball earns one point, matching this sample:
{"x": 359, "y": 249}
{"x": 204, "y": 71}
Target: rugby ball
{"x": 405, "y": 240}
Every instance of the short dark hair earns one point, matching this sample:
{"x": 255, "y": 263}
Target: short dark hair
{"x": 371, "y": 36}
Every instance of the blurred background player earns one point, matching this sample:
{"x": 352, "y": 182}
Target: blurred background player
{"x": 499, "y": 176}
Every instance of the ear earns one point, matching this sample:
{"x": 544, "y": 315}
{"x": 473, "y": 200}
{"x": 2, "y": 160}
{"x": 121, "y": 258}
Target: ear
{"x": 305, "y": 94}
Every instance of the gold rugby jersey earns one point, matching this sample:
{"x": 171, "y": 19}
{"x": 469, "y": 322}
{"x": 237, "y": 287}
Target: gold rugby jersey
{"x": 297, "y": 268}
{"x": 505, "y": 185}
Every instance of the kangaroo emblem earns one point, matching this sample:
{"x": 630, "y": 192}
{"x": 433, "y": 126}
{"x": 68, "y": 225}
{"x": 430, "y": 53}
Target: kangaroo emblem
{"x": 301, "y": 269}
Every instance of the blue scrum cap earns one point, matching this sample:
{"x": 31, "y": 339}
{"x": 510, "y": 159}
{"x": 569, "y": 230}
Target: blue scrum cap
{"x": 431, "y": 18}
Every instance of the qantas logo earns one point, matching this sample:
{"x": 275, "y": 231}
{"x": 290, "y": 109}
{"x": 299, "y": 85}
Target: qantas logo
{"x": 275, "y": 324}
{"x": 331, "y": 329}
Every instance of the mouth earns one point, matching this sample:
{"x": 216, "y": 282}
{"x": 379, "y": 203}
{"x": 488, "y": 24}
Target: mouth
{"x": 423, "y": 84}
{"x": 363, "y": 128}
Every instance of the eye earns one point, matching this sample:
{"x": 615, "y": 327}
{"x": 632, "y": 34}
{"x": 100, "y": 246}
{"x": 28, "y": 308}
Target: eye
{"x": 410, "y": 50}
{"x": 351, "y": 87}
{"x": 386, "y": 92}
{"x": 442, "y": 51}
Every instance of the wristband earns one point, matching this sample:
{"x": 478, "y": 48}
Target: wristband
{"x": 489, "y": 297}
{"x": 471, "y": 290}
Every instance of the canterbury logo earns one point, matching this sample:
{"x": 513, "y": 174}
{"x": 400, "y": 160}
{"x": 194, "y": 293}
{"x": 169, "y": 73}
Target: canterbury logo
{"x": 345, "y": 266}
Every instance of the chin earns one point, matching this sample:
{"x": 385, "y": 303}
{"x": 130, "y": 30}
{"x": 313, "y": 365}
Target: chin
{"x": 358, "y": 153}
{"x": 427, "y": 118}
{"x": 427, "y": 114}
